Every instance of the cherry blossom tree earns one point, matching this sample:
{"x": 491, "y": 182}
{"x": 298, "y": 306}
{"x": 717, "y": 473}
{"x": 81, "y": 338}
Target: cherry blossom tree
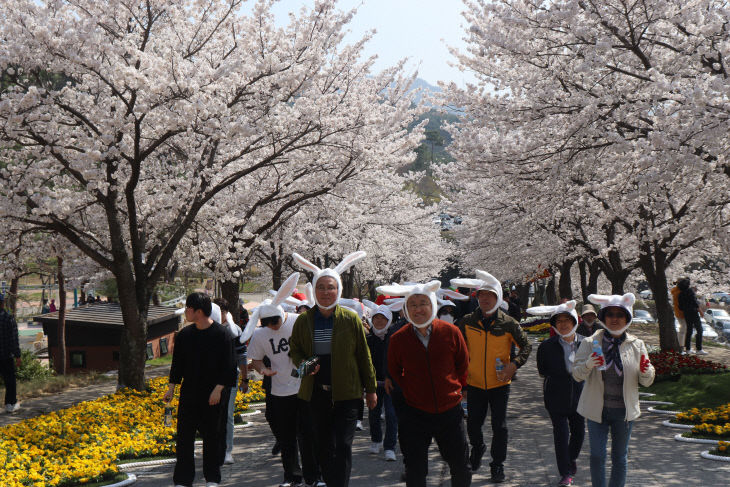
{"x": 611, "y": 114}
{"x": 170, "y": 108}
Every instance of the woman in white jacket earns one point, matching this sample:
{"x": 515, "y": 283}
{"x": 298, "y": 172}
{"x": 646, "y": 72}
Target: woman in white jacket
{"x": 610, "y": 398}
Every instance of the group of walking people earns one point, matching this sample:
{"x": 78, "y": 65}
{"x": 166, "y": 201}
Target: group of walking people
{"x": 415, "y": 368}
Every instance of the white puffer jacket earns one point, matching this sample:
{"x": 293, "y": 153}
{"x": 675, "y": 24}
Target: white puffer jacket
{"x": 590, "y": 405}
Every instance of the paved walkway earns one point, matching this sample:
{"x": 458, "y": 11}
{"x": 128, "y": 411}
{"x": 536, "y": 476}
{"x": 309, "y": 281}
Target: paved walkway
{"x": 656, "y": 459}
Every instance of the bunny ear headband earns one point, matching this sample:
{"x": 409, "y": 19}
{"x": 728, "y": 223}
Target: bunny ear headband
{"x": 565, "y": 308}
{"x": 354, "y": 305}
{"x": 484, "y": 281}
{"x": 442, "y": 294}
{"x": 348, "y": 261}
{"x": 625, "y": 302}
{"x": 270, "y": 307}
{"x": 429, "y": 289}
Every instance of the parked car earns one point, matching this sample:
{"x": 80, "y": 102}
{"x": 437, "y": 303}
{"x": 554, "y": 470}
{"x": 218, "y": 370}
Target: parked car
{"x": 642, "y": 316}
{"x": 725, "y": 332}
{"x": 646, "y": 294}
{"x": 719, "y": 297}
{"x": 716, "y": 317}
{"x": 707, "y": 331}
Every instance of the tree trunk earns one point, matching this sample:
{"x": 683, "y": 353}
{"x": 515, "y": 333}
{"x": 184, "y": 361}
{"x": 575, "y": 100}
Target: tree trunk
{"x": 550, "y": 298}
{"x": 134, "y": 298}
{"x": 229, "y": 292}
{"x": 12, "y": 299}
{"x": 565, "y": 285}
{"x": 61, "y": 366}
{"x": 654, "y": 265}
{"x": 589, "y": 274}
{"x": 348, "y": 283}
{"x": 276, "y": 273}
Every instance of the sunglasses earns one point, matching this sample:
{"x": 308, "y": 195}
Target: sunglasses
{"x": 615, "y": 314}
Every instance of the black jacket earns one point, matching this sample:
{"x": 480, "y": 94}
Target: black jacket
{"x": 561, "y": 391}
{"x": 379, "y": 353}
{"x": 688, "y": 301}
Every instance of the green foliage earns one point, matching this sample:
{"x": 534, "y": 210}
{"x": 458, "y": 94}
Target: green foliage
{"x": 690, "y": 391}
{"x": 31, "y": 368}
{"x": 109, "y": 289}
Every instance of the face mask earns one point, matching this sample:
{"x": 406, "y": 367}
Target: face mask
{"x": 447, "y": 318}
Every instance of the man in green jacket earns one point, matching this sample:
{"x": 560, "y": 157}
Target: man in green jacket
{"x": 334, "y": 390}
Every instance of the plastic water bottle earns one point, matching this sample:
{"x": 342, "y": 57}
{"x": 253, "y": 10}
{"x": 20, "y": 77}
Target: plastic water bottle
{"x": 498, "y": 365}
{"x": 598, "y": 350}
{"x": 168, "y": 417}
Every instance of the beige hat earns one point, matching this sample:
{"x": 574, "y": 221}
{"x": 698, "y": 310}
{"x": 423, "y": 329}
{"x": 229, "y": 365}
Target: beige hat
{"x": 587, "y": 308}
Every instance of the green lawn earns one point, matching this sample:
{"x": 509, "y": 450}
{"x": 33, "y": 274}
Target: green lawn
{"x": 700, "y": 391}
{"x": 164, "y": 360}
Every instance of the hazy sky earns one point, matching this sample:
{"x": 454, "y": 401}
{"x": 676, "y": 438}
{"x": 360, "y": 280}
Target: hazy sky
{"x": 420, "y": 30}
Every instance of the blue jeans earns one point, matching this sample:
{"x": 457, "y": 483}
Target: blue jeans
{"x": 613, "y": 419}
{"x": 391, "y": 421}
{"x": 229, "y": 418}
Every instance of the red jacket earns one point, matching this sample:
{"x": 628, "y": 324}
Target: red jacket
{"x": 431, "y": 379}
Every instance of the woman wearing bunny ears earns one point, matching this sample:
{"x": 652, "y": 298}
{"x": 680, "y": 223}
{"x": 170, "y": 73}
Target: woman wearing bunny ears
{"x": 428, "y": 359}
{"x": 610, "y": 398}
{"x": 336, "y": 336}
{"x": 555, "y": 359}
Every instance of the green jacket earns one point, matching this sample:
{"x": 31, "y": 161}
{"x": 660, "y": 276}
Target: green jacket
{"x": 352, "y": 368}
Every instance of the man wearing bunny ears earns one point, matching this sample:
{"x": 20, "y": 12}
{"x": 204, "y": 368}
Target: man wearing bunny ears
{"x": 490, "y": 334}
{"x": 428, "y": 359}
{"x": 336, "y": 336}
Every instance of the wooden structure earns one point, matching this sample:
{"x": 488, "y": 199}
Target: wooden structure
{"x": 94, "y": 332}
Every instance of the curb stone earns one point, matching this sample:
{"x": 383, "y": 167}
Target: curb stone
{"x": 679, "y": 437}
{"x": 677, "y": 425}
{"x": 131, "y": 478}
{"x": 717, "y": 458}
{"x": 662, "y": 411}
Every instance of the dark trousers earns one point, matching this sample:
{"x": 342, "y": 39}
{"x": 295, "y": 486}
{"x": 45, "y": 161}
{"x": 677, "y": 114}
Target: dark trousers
{"x": 418, "y": 428}
{"x": 192, "y": 417}
{"x": 391, "y": 421}
{"x": 334, "y": 430}
{"x": 286, "y": 422}
{"x": 568, "y": 433}
{"x": 693, "y": 323}
{"x": 223, "y": 424}
{"x": 361, "y": 411}
{"x": 480, "y": 400}
{"x": 7, "y": 370}
{"x": 399, "y": 405}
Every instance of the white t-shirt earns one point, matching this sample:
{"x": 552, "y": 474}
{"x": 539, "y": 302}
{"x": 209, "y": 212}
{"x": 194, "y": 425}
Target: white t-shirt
{"x": 274, "y": 344}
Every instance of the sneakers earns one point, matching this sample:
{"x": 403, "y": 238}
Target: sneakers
{"x": 291, "y": 484}
{"x": 211, "y": 484}
{"x": 497, "y": 474}
{"x": 374, "y": 448}
{"x": 316, "y": 483}
{"x": 389, "y": 456}
{"x": 358, "y": 425}
{"x": 566, "y": 480}
{"x": 573, "y": 468}
{"x": 228, "y": 460}
{"x": 475, "y": 458}
{"x": 11, "y": 408}
{"x": 701, "y": 352}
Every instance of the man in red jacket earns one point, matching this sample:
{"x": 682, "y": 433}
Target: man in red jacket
{"x": 428, "y": 359}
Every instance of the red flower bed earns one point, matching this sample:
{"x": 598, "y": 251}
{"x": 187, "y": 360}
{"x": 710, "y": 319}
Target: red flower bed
{"x": 669, "y": 364}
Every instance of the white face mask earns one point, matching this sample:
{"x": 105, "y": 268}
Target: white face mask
{"x": 447, "y": 318}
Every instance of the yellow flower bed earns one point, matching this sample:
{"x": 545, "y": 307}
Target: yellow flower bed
{"x": 81, "y": 444}
{"x": 723, "y": 448}
{"x": 539, "y": 328}
{"x": 712, "y": 430}
{"x": 716, "y": 416}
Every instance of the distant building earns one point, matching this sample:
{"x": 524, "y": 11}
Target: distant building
{"x": 93, "y": 334}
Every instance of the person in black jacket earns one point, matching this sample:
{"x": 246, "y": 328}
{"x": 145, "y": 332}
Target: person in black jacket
{"x": 203, "y": 361}
{"x": 378, "y": 339}
{"x": 555, "y": 358}
{"x": 688, "y": 305}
